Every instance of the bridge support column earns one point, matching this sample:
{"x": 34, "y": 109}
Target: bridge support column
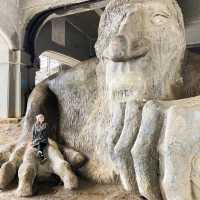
{"x": 24, "y": 82}
{"x": 14, "y": 82}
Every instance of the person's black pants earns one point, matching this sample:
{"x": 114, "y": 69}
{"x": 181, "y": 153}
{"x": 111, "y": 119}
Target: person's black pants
{"x": 41, "y": 147}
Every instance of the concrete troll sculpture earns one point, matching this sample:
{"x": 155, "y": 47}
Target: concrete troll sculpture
{"x": 121, "y": 111}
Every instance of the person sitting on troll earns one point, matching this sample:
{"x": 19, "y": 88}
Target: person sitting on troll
{"x": 40, "y": 136}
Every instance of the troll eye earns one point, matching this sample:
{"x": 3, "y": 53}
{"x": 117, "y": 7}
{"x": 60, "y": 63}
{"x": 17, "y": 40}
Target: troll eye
{"x": 160, "y": 18}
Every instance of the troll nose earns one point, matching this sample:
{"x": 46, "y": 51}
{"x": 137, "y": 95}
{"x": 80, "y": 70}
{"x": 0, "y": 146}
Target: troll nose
{"x": 122, "y": 48}
{"x": 117, "y": 48}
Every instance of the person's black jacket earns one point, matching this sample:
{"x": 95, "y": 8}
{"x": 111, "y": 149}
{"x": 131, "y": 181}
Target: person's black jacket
{"x": 40, "y": 133}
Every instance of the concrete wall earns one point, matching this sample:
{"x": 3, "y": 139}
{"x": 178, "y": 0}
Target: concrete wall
{"x": 191, "y": 11}
{"x": 8, "y": 81}
{"x": 9, "y": 43}
{"x": 30, "y": 8}
{"x": 9, "y": 22}
{"x": 4, "y": 79}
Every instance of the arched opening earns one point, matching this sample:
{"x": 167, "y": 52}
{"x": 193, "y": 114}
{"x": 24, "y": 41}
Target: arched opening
{"x": 71, "y": 35}
{"x": 31, "y": 29}
{"x": 67, "y": 31}
{"x": 65, "y": 39}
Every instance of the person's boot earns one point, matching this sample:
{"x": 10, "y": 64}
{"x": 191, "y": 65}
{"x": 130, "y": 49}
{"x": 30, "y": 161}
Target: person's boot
{"x": 42, "y": 157}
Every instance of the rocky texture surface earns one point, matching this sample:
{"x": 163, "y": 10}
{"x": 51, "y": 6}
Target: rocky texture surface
{"x": 9, "y": 22}
{"x": 53, "y": 189}
{"x": 122, "y": 111}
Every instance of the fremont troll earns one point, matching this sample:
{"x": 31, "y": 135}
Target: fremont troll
{"x": 120, "y": 112}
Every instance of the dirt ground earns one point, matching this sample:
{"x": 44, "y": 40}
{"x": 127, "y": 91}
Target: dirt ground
{"x": 53, "y": 190}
